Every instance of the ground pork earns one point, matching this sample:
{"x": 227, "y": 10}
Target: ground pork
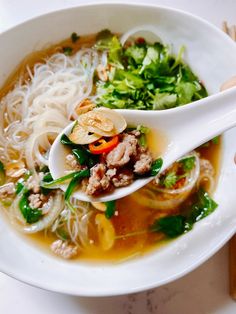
{"x": 40, "y": 201}
{"x": 63, "y": 249}
{"x": 143, "y": 163}
{"x": 35, "y": 201}
{"x": 123, "y": 152}
{"x": 123, "y": 178}
{"x": 72, "y": 163}
{"x": 7, "y": 189}
{"x": 98, "y": 180}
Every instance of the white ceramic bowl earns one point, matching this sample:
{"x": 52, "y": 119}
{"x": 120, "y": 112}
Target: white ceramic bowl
{"x": 211, "y": 54}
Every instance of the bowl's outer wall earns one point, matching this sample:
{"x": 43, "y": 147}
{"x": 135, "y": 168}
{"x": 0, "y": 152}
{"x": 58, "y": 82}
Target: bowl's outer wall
{"x": 211, "y": 55}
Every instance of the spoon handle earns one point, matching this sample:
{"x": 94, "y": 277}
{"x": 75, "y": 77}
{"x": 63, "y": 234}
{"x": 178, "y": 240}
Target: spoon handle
{"x": 199, "y": 122}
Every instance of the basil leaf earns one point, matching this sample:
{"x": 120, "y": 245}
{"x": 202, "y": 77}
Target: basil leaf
{"x": 156, "y": 166}
{"x": 204, "y": 206}
{"x": 84, "y": 157}
{"x": 30, "y": 214}
{"x": 66, "y": 141}
{"x": 110, "y": 209}
{"x": 19, "y": 187}
{"x": 81, "y": 155}
{"x": 172, "y": 226}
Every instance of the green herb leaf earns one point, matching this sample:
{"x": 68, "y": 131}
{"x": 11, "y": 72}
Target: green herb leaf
{"x": 67, "y": 51}
{"x": 104, "y": 35}
{"x": 51, "y": 185}
{"x": 62, "y": 234}
{"x": 74, "y": 37}
{"x": 66, "y": 141}
{"x": 216, "y": 140}
{"x": 164, "y": 100}
{"x": 136, "y": 53}
{"x": 84, "y": 157}
{"x": 44, "y": 169}
{"x": 31, "y": 215}
{"x": 169, "y": 180}
{"x": 47, "y": 178}
{"x": 204, "y": 206}
{"x": 110, "y": 209}
{"x": 2, "y": 174}
{"x": 143, "y": 129}
{"x": 81, "y": 155}
{"x": 156, "y": 166}
{"x": 19, "y": 187}
{"x": 171, "y": 226}
{"x": 146, "y": 77}
{"x": 188, "y": 162}
{"x": 72, "y": 185}
{"x": 113, "y": 45}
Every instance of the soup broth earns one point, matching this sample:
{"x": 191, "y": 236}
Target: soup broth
{"x": 88, "y": 232}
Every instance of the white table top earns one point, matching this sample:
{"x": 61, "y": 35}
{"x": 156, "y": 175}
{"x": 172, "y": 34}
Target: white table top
{"x": 205, "y": 290}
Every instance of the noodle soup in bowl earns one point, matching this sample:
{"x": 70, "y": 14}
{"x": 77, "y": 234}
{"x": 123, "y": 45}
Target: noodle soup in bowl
{"x": 112, "y": 68}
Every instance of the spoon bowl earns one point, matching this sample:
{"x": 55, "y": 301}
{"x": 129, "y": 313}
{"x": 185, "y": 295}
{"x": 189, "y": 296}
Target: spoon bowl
{"x": 185, "y": 128}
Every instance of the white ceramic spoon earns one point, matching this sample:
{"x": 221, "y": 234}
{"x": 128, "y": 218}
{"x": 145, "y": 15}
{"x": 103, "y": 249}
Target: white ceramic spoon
{"x": 185, "y": 128}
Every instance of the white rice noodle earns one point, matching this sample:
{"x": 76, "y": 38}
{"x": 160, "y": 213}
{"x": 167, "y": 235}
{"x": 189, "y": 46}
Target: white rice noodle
{"x": 149, "y": 31}
{"x": 40, "y": 108}
{"x": 160, "y": 198}
{"x": 18, "y": 221}
{"x": 75, "y": 223}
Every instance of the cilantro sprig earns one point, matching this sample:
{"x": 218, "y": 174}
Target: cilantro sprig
{"x": 146, "y": 76}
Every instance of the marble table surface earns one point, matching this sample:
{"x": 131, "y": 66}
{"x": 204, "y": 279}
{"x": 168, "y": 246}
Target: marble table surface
{"x": 205, "y": 290}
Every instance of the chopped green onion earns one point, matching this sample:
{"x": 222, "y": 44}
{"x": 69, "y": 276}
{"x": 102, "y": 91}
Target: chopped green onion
{"x": 83, "y": 173}
{"x": 72, "y": 185}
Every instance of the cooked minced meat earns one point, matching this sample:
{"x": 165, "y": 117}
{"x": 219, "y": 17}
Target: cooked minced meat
{"x": 119, "y": 165}
{"x": 72, "y": 163}
{"x": 98, "y": 180}
{"x": 143, "y": 163}
{"x": 63, "y": 249}
{"x": 123, "y": 152}
{"x": 7, "y": 189}
{"x": 123, "y": 178}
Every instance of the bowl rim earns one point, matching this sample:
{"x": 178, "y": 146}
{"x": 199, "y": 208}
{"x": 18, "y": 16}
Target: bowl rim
{"x": 202, "y": 258}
